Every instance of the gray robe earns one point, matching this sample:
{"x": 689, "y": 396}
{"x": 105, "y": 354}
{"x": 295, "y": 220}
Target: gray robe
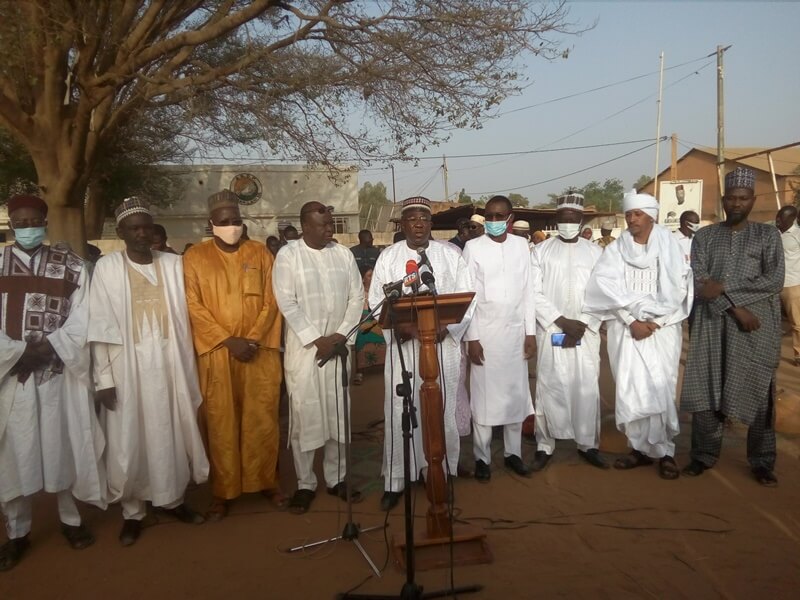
{"x": 728, "y": 370}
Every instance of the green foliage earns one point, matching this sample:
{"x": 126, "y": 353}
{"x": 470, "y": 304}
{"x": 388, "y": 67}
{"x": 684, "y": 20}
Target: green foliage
{"x": 17, "y": 173}
{"x": 464, "y": 197}
{"x": 641, "y": 182}
{"x": 518, "y": 200}
{"x": 372, "y": 194}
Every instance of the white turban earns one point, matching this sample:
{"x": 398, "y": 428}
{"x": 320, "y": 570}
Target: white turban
{"x": 643, "y": 202}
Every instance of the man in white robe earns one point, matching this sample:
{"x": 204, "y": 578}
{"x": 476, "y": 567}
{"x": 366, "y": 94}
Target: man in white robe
{"x": 567, "y": 404}
{"x": 501, "y": 338}
{"x": 644, "y": 284}
{"x": 145, "y": 375}
{"x": 451, "y": 276}
{"x": 321, "y": 295}
{"x": 49, "y": 435}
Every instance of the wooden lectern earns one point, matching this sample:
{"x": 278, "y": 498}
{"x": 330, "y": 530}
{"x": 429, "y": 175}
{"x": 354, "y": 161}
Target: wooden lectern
{"x": 432, "y": 546}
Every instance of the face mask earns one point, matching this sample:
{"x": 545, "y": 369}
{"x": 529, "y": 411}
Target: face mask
{"x": 496, "y": 228}
{"x": 568, "y": 230}
{"x": 695, "y": 227}
{"x": 230, "y": 234}
{"x": 30, "y": 237}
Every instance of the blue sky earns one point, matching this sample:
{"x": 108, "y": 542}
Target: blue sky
{"x": 762, "y": 98}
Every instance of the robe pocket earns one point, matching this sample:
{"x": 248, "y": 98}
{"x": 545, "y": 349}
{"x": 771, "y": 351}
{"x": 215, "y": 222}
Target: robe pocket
{"x": 253, "y": 284}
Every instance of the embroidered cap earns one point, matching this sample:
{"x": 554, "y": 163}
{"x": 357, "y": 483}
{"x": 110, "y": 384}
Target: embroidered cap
{"x": 222, "y": 199}
{"x": 479, "y": 219}
{"x": 521, "y": 225}
{"x": 740, "y": 177}
{"x": 131, "y": 206}
{"x": 420, "y": 202}
{"x": 572, "y": 200}
{"x": 27, "y": 201}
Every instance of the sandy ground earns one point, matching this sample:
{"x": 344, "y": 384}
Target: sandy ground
{"x": 570, "y": 531}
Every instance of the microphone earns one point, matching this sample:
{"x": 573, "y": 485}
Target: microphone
{"x": 427, "y": 278}
{"x": 423, "y": 259}
{"x": 412, "y": 276}
{"x": 393, "y": 290}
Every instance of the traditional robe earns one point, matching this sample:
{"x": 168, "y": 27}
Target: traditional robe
{"x": 686, "y": 245}
{"x": 230, "y": 294}
{"x": 141, "y": 345}
{"x": 49, "y": 434}
{"x": 319, "y": 293}
{"x": 652, "y": 283}
{"x": 567, "y": 402}
{"x": 728, "y": 370}
{"x": 451, "y": 277}
{"x": 504, "y": 314}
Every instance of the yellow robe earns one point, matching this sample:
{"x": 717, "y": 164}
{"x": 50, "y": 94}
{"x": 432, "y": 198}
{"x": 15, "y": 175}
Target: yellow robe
{"x": 230, "y": 294}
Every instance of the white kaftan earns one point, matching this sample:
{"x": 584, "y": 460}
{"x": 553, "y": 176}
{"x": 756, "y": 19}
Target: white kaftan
{"x": 567, "y": 404}
{"x": 319, "y": 293}
{"x": 50, "y": 438}
{"x": 647, "y": 283}
{"x": 504, "y": 314}
{"x": 451, "y": 277}
{"x": 142, "y": 346}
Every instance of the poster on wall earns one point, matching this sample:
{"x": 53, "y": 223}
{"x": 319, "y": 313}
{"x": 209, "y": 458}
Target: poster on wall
{"x": 675, "y": 197}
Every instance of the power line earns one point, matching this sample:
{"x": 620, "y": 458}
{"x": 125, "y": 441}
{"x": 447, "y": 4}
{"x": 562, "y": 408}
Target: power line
{"x": 597, "y": 89}
{"x": 600, "y": 164}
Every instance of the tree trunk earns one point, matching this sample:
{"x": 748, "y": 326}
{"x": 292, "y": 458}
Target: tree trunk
{"x": 94, "y": 211}
{"x": 66, "y": 224}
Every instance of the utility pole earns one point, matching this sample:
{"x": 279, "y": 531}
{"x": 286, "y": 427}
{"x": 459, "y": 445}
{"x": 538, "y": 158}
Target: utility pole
{"x": 673, "y": 171}
{"x": 444, "y": 174}
{"x": 658, "y": 122}
{"x": 394, "y": 191}
{"x": 720, "y": 127}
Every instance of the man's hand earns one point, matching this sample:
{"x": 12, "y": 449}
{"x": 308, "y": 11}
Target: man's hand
{"x": 240, "y": 348}
{"x": 106, "y": 397}
{"x": 529, "y": 349}
{"x": 746, "y": 320}
{"x": 442, "y": 334}
{"x": 572, "y": 327}
{"x": 475, "y": 352}
{"x": 569, "y": 341}
{"x": 711, "y": 289}
{"x": 406, "y": 331}
{"x": 35, "y": 356}
{"x": 325, "y": 344}
{"x": 643, "y": 329}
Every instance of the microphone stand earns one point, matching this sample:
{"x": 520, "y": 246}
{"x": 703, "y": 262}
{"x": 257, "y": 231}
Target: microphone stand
{"x": 351, "y": 530}
{"x": 411, "y": 590}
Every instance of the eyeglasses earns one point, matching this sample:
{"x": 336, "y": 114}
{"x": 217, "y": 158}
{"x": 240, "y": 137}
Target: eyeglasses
{"x": 413, "y": 220}
{"x": 322, "y": 210}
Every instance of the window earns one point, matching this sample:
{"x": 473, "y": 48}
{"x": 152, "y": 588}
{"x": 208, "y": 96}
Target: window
{"x": 340, "y": 225}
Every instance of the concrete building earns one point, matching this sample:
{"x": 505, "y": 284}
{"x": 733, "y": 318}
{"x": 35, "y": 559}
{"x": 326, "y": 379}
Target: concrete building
{"x": 701, "y": 163}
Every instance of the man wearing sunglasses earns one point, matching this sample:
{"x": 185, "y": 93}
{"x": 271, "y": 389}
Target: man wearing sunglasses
{"x": 236, "y": 330}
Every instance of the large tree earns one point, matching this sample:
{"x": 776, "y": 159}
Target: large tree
{"x": 606, "y": 196}
{"x": 315, "y": 80}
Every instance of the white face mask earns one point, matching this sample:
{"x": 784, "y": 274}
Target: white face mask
{"x": 230, "y": 234}
{"x": 568, "y": 230}
{"x": 694, "y": 227}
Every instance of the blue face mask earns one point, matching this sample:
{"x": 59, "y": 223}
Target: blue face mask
{"x": 496, "y": 228}
{"x": 30, "y": 237}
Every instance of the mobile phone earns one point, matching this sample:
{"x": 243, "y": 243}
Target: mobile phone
{"x": 557, "y": 339}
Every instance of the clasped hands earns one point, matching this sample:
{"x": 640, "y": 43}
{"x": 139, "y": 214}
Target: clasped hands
{"x": 35, "y": 356}
{"x": 711, "y": 289}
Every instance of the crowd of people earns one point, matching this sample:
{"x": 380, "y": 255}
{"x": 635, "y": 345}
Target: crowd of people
{"x": 156, "y": 370}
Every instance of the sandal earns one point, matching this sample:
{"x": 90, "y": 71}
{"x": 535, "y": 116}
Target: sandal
{"x": 340, "y": 490}
{"x": 765, "y": 476}
{"x": 277, "y": 498}
{"x": 78, "y": 536}
{"x": 11, "y": 552}
{"x": 632, "y": 460}
{"x": 358, "y": 379}
{"x": 217, "y": 511}
{"x": 301, "y": 501}
{"x": 668, "y": 468}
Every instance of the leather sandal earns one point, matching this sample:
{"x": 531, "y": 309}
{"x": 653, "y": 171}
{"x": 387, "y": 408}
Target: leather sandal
{"x": 632, "y": 460}
{"x": 12, "y": 551}
{"x": 301, "y": 501}
{"x": 668, "y": 468}
{"x": 78, "y": 536}
{"x": 217, "y": 511}
{"x": 277, "y": 498}
{"x": 340, "y": 490}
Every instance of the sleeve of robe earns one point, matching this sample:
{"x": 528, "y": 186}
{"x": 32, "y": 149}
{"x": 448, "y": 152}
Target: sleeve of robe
{"x": 10, "y": 353}
{"x": 378, "y": 280}
{"x": 530, "y": 301}
{"x": 355, "y": 300}
{"x": 260, "y": 331}
{"x": 463, "y": 284}
{"x": 743, "y": 291}
{"x": 473, "y": 332}
{"x": 70, "y": 340}
{"x": 206, "y": 331}
{"x": 546, "y": 311}
{"x": 285, "y": 285}
{"x": 699, "y": 264}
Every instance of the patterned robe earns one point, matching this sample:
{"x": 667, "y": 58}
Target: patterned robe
{"x": 729, "y": 370}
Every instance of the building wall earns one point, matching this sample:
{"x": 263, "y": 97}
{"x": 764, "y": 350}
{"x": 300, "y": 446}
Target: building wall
{"x": 283, "y": 191}
{"x": 700, "y": 165}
